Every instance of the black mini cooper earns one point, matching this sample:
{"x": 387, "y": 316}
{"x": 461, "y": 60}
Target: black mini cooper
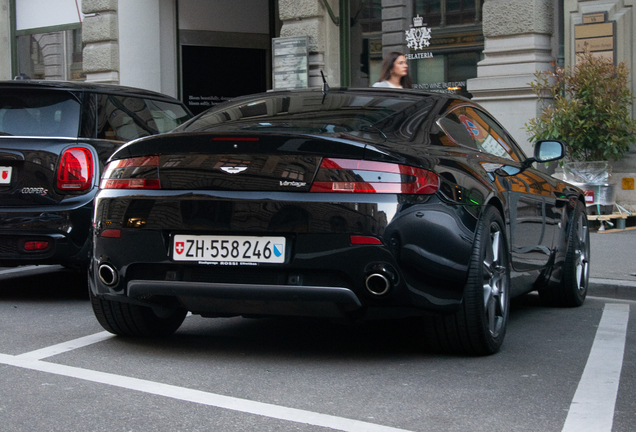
{"x": 54, "y": 140}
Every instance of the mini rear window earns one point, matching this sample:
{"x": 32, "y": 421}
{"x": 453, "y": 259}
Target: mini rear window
{"x": 40, "y": 113}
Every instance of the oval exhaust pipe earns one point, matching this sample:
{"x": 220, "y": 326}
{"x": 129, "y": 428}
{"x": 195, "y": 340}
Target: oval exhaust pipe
{"x": 107, "y": 274}
{"x": 377, "y": 284}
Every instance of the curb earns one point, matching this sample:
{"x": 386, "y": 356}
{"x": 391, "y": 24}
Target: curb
{"x": 612, "y": 288}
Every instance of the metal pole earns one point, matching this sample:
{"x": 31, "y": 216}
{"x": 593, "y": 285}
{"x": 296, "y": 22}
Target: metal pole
{"x": 345, "y": 41}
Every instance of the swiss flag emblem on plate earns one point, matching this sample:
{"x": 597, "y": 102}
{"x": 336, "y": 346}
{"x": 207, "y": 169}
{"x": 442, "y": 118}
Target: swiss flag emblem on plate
{"x": 5, "y": 175}
{"x": 179, "y": 247}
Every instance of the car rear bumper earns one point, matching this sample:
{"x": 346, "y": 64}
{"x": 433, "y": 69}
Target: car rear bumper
{"x": 67, "y": 233}
{"x": 422, "y": 256}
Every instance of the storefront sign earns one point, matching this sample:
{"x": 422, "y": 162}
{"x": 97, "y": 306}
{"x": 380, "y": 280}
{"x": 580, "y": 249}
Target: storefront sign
{"x": 419, "y": 56}
{"x": 418, "y": 36}
{"x": 452, "y": 87}
{"x": 457, "y": 40}
{"x": 593, "y": 18}
{"x": 596, "y": 35}
{"x": 595, "y": 44}
{"x": 290, "y": 62}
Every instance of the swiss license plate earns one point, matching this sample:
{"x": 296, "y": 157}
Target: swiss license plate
{"x": 5, "y": 175}
{"x": 236, "y": 249}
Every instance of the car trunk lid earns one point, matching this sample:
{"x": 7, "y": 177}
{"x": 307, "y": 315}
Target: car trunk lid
{"x": 264, "y": 162}
{"x": 29, "y": 168}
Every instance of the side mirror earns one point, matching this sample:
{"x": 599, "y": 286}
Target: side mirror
{"x": 548, "y": 151}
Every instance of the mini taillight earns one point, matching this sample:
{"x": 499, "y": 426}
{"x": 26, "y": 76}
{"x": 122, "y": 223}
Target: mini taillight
{"x": 133, "y": 173}
{"x": 356, "y": 176}
{"x": 75, "y": 172}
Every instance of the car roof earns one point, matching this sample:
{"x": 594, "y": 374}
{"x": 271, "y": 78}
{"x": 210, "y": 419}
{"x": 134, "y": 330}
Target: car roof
{"x": 85, "y": 86}
{"x": 369, "y": 91}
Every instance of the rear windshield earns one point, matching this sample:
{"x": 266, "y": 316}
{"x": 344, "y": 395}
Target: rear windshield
{"x": 318, "y": 114}
{"x": 39, "y": 113}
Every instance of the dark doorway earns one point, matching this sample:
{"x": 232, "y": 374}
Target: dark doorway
{"x": 212, "y": 75}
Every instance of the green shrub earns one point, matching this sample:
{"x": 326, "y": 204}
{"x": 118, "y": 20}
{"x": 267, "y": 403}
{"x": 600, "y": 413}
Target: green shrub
{"x": 588, "y": 106}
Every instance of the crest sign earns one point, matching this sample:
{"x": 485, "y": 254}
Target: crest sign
{"x": 418, "y": 36}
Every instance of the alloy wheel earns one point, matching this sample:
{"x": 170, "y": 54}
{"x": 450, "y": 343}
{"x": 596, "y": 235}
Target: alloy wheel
{"x": 495, "y": 281}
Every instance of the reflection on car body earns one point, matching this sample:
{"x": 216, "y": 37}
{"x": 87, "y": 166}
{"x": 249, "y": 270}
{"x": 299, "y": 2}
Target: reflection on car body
{"x": 352, "y": 204}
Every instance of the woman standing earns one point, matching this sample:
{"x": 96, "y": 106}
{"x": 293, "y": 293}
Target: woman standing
{"x": 394, "y": 72}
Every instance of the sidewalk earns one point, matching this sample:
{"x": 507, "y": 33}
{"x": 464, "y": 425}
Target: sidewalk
{"x": 613, "y": 264}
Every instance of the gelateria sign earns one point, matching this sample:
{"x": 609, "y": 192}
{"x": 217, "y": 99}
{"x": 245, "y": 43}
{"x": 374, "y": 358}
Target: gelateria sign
{"x": 418, "y": 37}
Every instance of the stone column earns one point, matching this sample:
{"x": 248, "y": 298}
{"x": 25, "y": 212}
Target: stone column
{"x": 100, "y": 33}
{"x": 5, "y": 41}
{"x": 310, "y": 18}
{"x": 52, "y": 47}
{"x": 396, "y": 14}
{"x": 518, "y": 42}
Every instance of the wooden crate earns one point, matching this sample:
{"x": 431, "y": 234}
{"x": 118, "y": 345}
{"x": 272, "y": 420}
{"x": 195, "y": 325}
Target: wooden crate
{"x": 611, "y": 222}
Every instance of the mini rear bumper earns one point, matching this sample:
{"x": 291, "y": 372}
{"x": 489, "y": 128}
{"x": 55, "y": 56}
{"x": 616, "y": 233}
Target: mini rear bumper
{"x": 46, "y": 236}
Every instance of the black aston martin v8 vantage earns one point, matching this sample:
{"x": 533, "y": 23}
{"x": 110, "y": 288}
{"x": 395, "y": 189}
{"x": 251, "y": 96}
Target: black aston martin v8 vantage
{"x": 344, "y": 204}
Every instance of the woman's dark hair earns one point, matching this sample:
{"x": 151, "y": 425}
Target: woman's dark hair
{"x": 387, "y": 65}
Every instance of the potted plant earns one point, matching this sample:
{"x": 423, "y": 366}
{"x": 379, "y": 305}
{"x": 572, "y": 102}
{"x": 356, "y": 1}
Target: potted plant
{"x": 588, "y": 106}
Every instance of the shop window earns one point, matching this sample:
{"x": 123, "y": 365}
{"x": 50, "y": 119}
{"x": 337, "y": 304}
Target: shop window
{"x": 55, "y": 55}
{"x": 431, "y": 10}
{"x": 445, "y": 73}
{"x": 370, "y": 15}
{"x": 439, "y": 13}
{"x": 462, "y": 66}
{"x": 366, "y": 41}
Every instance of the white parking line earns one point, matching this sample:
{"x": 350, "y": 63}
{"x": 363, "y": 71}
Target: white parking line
{"x": 30, "y": 361}
{"x": 592, "y": 407}
{"x": 66, "y": 346}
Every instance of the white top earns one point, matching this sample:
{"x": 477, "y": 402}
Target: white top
{"x": 385, "y": 84}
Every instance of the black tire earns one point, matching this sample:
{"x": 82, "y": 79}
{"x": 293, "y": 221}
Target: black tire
{"x": 479, "y": 326}
{"x": 127, "y": 319}
{"x": 572, "y": 289}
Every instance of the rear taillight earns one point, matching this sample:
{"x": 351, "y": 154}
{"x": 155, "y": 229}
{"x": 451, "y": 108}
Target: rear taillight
{"x": 346, "y": 175}
{"x": 75, "y": 172}
{"x": 133, "y": 173}
{"x": 34, "y": 246}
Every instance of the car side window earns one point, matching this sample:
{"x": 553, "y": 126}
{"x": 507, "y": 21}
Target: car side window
{"x": 123, "y": 118}
{"x": 493, "y": 138}
{"x": 456, "y": 129}
{"x": 474, "y": 128}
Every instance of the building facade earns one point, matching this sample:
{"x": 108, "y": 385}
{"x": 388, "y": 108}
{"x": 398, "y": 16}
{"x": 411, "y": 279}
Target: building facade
{"x": 205, "y": 51}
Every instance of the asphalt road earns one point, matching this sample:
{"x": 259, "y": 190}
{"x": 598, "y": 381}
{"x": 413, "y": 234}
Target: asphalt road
{"x": 559, "y": 370}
